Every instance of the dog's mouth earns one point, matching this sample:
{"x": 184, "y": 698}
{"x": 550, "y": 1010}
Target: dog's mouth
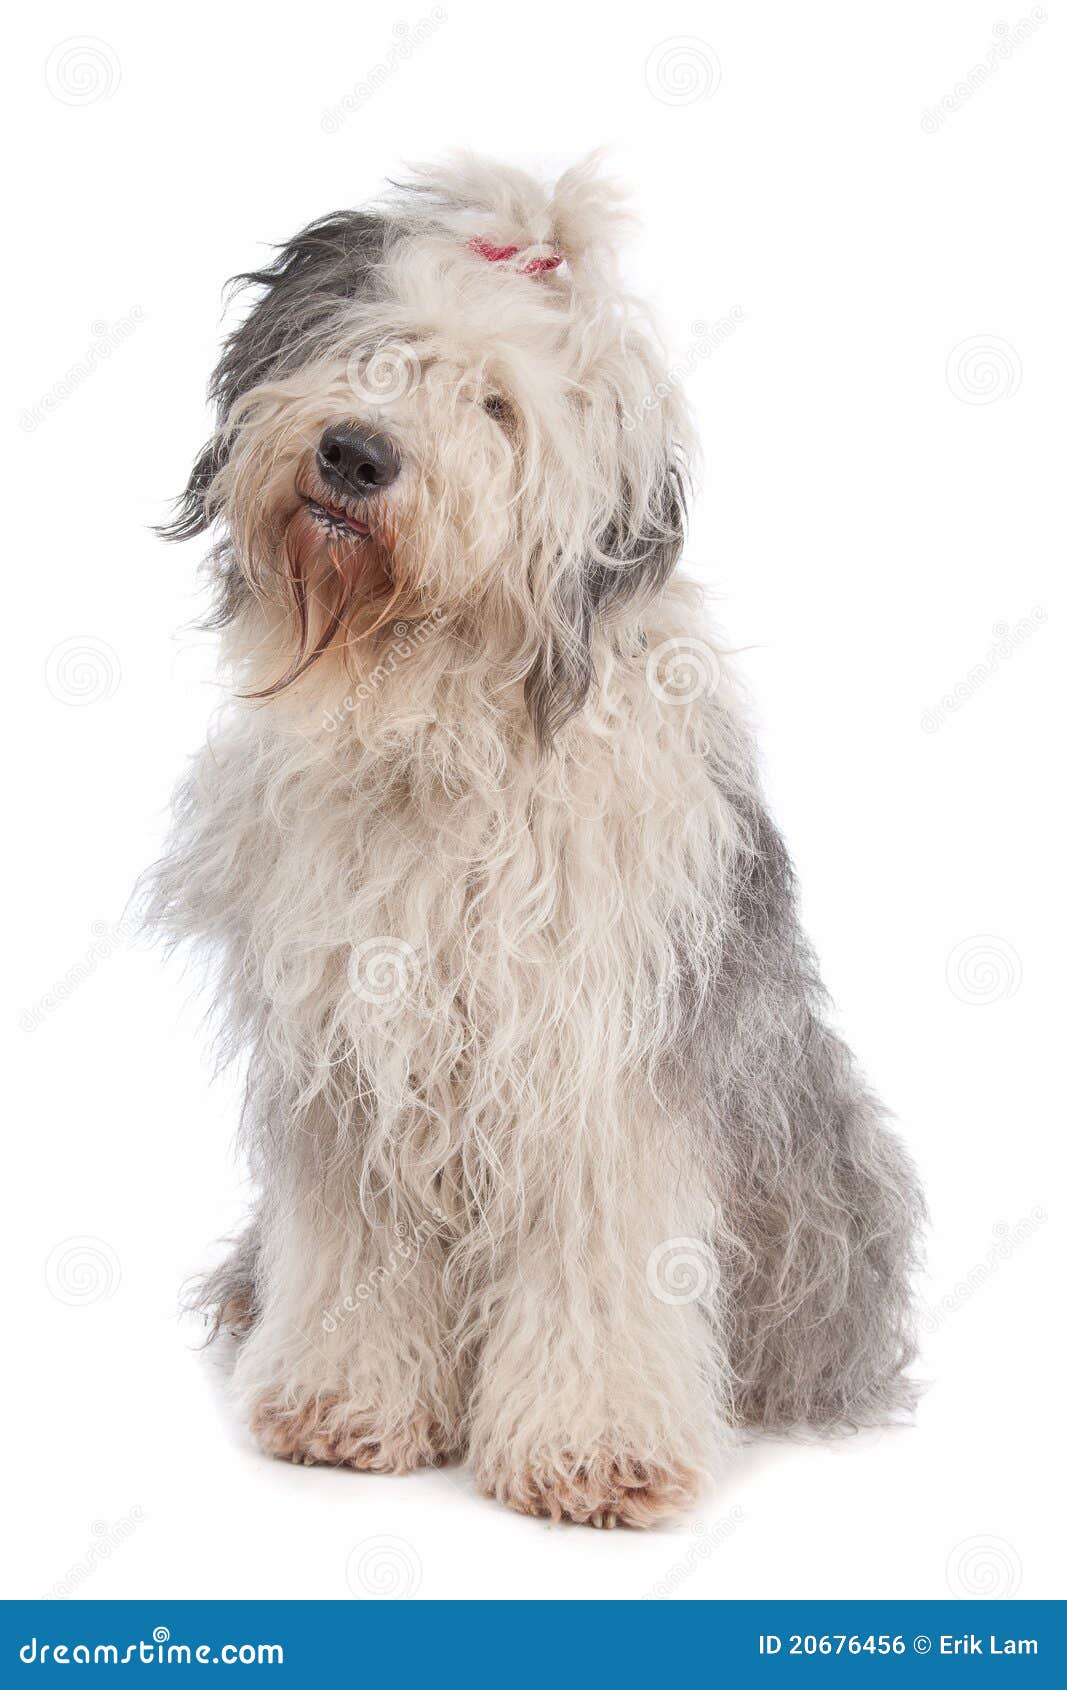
{"x": 339, "y": 571}
{"x": 335, "y": 519}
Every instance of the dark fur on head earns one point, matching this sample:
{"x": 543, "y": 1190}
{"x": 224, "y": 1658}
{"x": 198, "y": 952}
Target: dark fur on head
{"x": 332, "y": 260}
{"x": 626, "y": 565}
{"x": 298, "y": 318}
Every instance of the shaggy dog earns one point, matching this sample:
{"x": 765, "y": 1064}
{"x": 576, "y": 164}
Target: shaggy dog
{"x": 559, "y": 1166}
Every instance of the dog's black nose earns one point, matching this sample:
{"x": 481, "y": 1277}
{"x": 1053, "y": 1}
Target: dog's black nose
{"x": 357, "y": 461}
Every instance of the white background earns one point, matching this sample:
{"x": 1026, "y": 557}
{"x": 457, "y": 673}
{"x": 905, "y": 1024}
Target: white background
{"x": 871, "y": 513}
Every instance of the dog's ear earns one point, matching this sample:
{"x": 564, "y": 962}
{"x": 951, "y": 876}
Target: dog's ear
{"x": 331, "y": 261}
{"x": 631, "y": 559}
{"x": 190, "y": 516}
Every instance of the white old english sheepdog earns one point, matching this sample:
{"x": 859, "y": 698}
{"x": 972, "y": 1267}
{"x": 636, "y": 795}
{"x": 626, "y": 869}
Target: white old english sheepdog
{"x": 559, "y": 1167}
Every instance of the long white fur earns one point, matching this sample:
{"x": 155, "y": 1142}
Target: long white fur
{"x": 473, "y": 976}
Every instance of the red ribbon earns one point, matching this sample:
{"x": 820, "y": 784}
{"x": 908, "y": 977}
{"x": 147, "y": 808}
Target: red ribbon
{"x": 500, "y": 254}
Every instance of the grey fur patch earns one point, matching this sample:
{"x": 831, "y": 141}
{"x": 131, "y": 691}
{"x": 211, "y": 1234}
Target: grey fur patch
{"x": 228, "y": 1296}
{"x": 333, "y": 260}
{"x": 634, "y": 558}
{"x": 820, "y": 1206}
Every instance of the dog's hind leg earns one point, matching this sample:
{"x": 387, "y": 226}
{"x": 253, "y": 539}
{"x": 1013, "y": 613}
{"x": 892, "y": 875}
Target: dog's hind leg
{"x": 227, "y": 1297}
{"x": 820, "y": 1206}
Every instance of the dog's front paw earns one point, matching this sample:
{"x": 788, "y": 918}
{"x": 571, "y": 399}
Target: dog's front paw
{"x": 338, "y": 1433}
{"x": 599, "y": 1490}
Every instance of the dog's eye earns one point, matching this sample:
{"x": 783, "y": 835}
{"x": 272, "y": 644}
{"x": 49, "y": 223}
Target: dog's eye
{"x": 499, "y": 409}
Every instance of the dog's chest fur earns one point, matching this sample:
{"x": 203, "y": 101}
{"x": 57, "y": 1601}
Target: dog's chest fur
{"x": 429, "y": 921}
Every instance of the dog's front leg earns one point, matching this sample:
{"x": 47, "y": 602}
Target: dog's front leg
{"x": 601, "y": 1391}
{"x": 347, "y": 1362}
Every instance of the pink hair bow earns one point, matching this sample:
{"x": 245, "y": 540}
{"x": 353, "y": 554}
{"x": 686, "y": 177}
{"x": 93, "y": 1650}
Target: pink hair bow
{"x": 500, "y": 254}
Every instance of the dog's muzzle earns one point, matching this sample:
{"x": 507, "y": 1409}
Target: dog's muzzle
{"x": 357, "y": 462}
